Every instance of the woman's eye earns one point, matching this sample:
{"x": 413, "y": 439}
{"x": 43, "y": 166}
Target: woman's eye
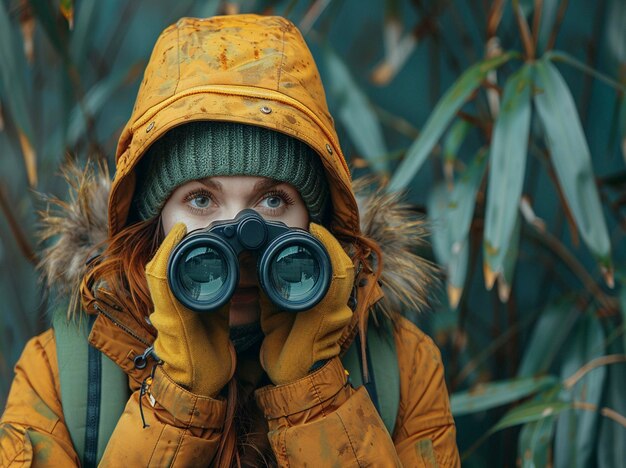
{"x": 274, "y": 202}
{"x": 200, "y": 201}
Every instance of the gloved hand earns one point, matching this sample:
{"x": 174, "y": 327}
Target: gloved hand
{"x": 295, "y": 341}
{"x": 195, "y": 348}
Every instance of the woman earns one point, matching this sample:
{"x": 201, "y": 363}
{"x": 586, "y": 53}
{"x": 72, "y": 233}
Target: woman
{"x": 231, "y": 114}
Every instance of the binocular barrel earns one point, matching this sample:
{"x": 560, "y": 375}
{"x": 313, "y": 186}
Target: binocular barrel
{"x": 293, "y": 267}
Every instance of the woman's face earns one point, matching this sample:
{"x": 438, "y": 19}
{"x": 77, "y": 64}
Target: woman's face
{"x": 200, "y": 202}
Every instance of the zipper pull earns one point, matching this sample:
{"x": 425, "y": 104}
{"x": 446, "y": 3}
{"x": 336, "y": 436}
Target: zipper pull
{"x": 141, "y": 361}
{"x": 142, "y": 392}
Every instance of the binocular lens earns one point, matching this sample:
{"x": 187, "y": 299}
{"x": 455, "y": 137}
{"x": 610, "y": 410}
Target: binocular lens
{"x": 295, "y": 272}
{"x": 202, "y": 273}
{"x": 293, "y": 267}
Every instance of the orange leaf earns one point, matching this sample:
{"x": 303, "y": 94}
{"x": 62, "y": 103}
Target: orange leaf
{"x": 67, "y": 10}
{"x": 30, "y": 159}
{"x": 454, "y": 295}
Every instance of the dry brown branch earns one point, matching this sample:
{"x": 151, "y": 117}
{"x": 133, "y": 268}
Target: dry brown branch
{"x": 606, "y": 412}
{"x": 16, "y": 228}
{"x": 494, "y": 17}
{"x": 524, "y": 31}
{"x": 537, "y": 22}
{"x": 557, "y": 24}
{"x": 597, "y": 362}
{"x": 312, "y": 15}
{"x": 557, "y": 247}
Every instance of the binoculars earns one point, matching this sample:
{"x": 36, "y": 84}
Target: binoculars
{"x": 293, "y": 267}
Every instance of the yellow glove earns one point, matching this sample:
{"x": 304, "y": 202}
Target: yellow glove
{"x": 294, "y": 341}
{"x": 195, "y": 348}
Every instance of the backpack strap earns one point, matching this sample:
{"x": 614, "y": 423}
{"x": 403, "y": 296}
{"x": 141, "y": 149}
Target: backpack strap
{"x": 382, "y": 362}
{"x": 94, "y": 390}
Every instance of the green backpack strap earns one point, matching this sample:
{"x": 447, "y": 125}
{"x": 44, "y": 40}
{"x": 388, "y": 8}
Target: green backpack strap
{"x": 94, "y": 390}
{"x": 382, "y": 362}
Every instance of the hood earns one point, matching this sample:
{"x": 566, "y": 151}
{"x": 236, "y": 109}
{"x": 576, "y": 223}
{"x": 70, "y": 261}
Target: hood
{"x": 248, "y": 69}
{"x": 74, "y": 229}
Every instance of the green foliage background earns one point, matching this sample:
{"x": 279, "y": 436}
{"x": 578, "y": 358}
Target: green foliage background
{"x": 505, "y": 121}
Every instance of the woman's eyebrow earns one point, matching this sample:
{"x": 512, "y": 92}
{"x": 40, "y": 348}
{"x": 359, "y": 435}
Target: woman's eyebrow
{"x": 210, "y": 183}
{"x": 266, "y": 184}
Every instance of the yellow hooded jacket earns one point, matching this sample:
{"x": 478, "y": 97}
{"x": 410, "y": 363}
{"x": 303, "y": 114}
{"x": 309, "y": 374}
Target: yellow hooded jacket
{"x": 253, "y": 70}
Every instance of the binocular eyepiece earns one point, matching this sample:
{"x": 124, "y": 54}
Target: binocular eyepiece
{"x": 293, "y": 267}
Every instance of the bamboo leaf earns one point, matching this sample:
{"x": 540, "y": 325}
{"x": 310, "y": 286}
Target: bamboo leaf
{"x": 30, "y": 158}
{"x": 82, "y": 34}
{"x": 576, "y": 430}
{"x": 95, "y": 99}
{"x": 548, "y": 18}
{"x": 548, "y": 336}
{"x": 457, "y": 271}
{"x": 622, "y": 120}
{"x": 493, "y": 394}
{"x": 437, "y": 213}
{"x": 571, "y": 158}
{"x": 451, "y": 213}
{"x": 14, "y": 90}
{"x": 505, "y": 279}
{"x": 454, "y": 261}
{"x": 560, "y": 56}
{"x": 454, "y": 139}
{"x": 612, "y": 437}
{"x": 67, "y": 10}
{"x": 535, "y": 441}
{"x": 440, "y": 118}
{"x": 463, "y": 197}
{"x": 615, "y": 31}
{"x": 508, "y": 164}
{"x": 529, "y": 412}
{"x": 47, "y": 18}
{"x": 461, "y": 206}
{"x": 356, "y": 113}
{"x": 622, "y": 303}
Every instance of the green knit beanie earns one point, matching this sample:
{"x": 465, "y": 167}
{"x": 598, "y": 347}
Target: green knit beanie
{"x": 206, "y": 148}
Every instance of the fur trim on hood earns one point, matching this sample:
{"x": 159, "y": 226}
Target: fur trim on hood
{"x": 76, "y": 230}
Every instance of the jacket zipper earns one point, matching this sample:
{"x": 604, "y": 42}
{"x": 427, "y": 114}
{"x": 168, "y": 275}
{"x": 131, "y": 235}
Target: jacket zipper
{"x": 121, "y": 326}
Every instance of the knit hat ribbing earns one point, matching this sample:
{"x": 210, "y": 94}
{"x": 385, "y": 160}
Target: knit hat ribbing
{"x": 207, "y": 148}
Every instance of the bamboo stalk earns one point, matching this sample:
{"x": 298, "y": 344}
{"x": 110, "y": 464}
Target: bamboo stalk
{"x": 614, "y": 415}
{"x": 16, "y": 228}
{"x": 557, "y": 24}
{"x": 522, "y": 24}
{"x": 537, "y": 22}
{"x": 606, "y": 412}
{"x": 494, "y": 17}
{"x": 312, "y": 15}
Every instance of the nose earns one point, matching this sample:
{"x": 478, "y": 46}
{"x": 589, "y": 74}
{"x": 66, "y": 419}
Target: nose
{"x": 247, "y": 269}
